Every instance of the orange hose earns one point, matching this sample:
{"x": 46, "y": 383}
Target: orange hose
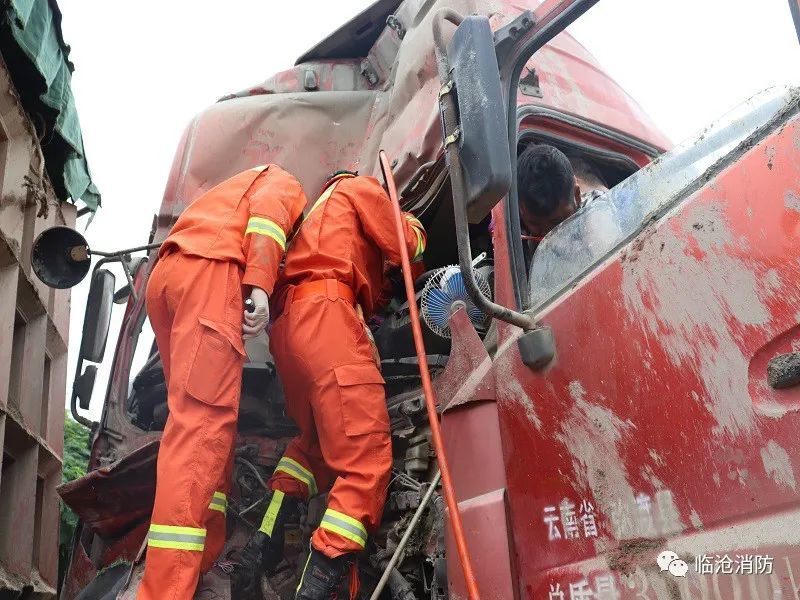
{"x": 430, "y": 401}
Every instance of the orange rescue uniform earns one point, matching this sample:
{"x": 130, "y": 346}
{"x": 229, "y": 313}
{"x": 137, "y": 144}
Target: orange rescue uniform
{"x": 333, "y": 387}
{"x": 232, "y": 236}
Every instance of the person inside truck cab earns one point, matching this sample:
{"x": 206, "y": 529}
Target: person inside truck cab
{"x": 589, "y": 181}
{"x": 548, "y": 191}
{"x": 551, "y": 188}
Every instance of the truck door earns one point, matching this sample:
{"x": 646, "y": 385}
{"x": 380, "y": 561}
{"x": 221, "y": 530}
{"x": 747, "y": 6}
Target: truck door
{"x": 668, "y": 419}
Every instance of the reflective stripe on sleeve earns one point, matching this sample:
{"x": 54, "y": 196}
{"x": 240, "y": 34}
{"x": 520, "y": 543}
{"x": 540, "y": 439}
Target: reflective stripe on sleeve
{"x": 268, "y": 522}
{"x": 266, "y": 227}
{"x": 419, "y": 230}
{"x": 420, "y": 243}
{"x": 219, "y": 502}
{"x": 176, "y": 538}
{"x": 299, "y": 472}
{"x": 413, "y": 220}
{"x": 347, "y": 527}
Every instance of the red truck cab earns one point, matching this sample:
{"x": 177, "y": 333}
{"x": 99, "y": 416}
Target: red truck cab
{"x": 636, "y": 398}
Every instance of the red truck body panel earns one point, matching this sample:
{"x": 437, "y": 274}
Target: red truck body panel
{"x": 653, "y": 429}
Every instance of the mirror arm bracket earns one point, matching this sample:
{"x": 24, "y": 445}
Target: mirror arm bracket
{"x": 126, "y": 267}
{"x": 450, "y": 132}
{"x": 491, "y": 308}
{"x": 73, "y": 401}
{"x": 507, "y": 36}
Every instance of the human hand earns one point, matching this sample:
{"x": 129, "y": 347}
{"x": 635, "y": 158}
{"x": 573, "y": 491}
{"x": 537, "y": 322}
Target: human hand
{"x": 255, "y": 321}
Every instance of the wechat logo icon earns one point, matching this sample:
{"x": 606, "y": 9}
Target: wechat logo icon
{"x": 669, "y": 561}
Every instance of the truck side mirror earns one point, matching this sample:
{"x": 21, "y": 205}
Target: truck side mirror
{"x": 480, "y": 136}
{"x": 60, "y": 257}
{"x": 97, "y": 319}
{"x": 84, "y": 385}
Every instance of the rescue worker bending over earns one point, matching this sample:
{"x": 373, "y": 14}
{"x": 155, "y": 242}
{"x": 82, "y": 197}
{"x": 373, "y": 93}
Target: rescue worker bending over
{"x": 333, "y": 386}
{"x": 227, "y": 243}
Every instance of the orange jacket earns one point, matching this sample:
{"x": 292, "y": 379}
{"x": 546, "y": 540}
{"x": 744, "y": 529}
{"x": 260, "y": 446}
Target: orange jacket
{"x": 347, "y": 235}
{"x": 246, "y": 219}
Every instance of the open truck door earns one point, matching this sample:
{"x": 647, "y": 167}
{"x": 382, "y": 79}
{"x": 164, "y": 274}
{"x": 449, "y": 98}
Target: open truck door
{"x": 655, "y": 453}
{"x": 668, "y": 419}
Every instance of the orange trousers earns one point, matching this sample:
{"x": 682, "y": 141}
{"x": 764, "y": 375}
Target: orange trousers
{"x": 195, "y": 309}
{"x": 334, "y": 392}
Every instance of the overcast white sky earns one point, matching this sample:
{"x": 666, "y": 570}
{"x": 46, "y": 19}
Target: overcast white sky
{"x": 143, "y": 72}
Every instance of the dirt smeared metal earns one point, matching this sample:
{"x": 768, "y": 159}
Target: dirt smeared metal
{"x": 689, "y": 306}
{"x": 629, "y": 554}
{"x": 778, "y": 465}
{"x": 591, "y": 434}
{"x": 772, "y": 281}
{"x": 694, "y": 519}
{"x": 522, "y": 398}
{"x": 791, "y": 200}
{"x": 648, "y": 474}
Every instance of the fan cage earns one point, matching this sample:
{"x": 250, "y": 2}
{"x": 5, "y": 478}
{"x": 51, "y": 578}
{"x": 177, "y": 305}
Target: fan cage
{"x": 442, "y": 290}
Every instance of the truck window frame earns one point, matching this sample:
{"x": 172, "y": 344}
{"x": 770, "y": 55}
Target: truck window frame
{"x": 698, "y": 159}
{"x": 590, "y": 150}
{"x": 549, "y": 23}
{"x": 553, "y": 17}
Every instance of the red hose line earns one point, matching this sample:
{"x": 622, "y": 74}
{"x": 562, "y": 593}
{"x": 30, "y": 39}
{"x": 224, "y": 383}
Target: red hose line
{"x": 430, "y": 401}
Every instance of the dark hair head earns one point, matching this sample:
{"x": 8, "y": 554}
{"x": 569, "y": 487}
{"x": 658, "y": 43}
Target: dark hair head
{"x": 545, "y": 179}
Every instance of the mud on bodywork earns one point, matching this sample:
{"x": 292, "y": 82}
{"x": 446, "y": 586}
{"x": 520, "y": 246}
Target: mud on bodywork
{"x": 658, "y": 411}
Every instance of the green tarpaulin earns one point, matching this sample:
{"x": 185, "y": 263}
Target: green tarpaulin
{"x": 37, "y": 57}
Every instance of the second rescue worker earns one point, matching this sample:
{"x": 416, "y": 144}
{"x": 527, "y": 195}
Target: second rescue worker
{"x": 334, "y": 389}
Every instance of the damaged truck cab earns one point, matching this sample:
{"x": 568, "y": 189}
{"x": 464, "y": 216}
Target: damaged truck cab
{"x": 627, "y": 389}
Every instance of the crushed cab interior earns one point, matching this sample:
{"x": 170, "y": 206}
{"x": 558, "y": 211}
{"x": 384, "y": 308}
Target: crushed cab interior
{"x": 428, "y": 196}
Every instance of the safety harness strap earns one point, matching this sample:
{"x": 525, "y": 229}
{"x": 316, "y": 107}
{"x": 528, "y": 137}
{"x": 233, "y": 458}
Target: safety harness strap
{"x": 344, "y": 525}
{"x": 176, "y": 538}
{"x": 299, "y": 472}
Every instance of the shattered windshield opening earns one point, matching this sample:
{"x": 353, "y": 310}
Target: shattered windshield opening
{"x": 605, "y": 223}
{"x": 147, "y": 390}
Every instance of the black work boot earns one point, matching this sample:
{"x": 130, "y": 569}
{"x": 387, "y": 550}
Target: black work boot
{"x": 322, "y": 576}
{"x": 264, "y": 549}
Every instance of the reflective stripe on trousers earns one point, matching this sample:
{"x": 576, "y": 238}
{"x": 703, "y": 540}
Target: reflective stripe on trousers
{"x": 219, "y": 502}
{"x": 346, "y": 526}
{"x": 268, "y": 522}
{"x": 176, "y": 538}
{"x": 299, "y": 472}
